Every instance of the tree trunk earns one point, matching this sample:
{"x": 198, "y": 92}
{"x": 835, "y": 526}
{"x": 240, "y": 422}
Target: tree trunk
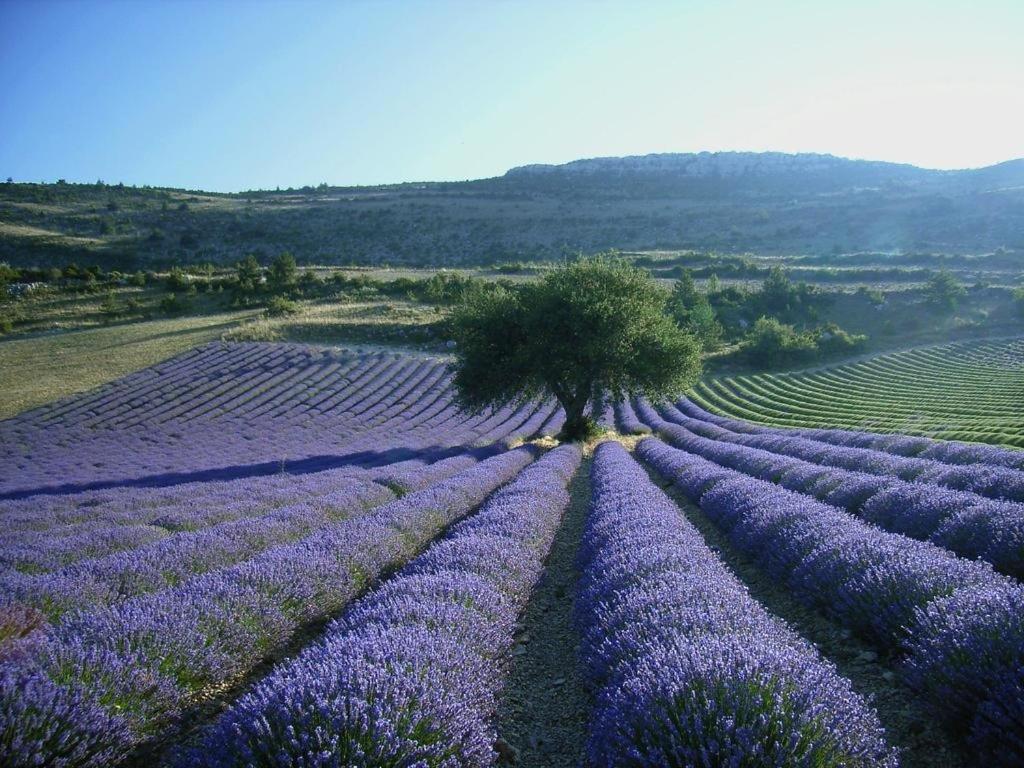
{"x": 577, "y": 426}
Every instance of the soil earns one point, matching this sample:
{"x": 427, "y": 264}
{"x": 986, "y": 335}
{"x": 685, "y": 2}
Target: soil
{"x": 544, "y": 711}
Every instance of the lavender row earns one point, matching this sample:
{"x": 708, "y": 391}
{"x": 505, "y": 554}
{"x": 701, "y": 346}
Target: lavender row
{"x": 970, "y": 525}
{"x": 88, "y": 691}
{"x": 410, "y": 674}
{"x": 418, "y": 383}
{"x": 45, "y": 549}
{"x": 689, "y": 669}
{"x": 946, "y": 451}
{"x": 992, "y": 481}
{"x": 177, "y": 559}
{"x": 957, "y": 626}
{"x": 421, "y": 422}
{"x": 626, "y": 420}
{"x": 133, "y": 567}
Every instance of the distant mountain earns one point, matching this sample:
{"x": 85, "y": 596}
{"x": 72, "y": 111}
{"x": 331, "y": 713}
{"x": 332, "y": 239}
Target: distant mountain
{"x": 769, "y": 202}
{"x": 726, "y": 164}
{"x": 765, "y": 170}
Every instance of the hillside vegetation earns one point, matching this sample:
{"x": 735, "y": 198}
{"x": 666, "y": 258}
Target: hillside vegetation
{"x": 770, "y": 203}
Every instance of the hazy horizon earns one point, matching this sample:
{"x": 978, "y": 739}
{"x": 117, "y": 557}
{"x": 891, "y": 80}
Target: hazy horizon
{"x": 226, "y": 96}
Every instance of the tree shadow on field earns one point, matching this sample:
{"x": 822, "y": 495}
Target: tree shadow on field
{"x": 311, "y": 464}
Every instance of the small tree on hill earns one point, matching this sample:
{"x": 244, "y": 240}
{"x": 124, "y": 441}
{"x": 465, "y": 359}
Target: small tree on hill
{"x": 584, "y": 330}
{"x": 248, "y": 273}
{"x": 283, "y": 273}
{"x": 943, "y": 292}
{"x": 694, "y": 313}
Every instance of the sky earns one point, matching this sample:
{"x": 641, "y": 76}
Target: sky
{"x": 234, "y": 95}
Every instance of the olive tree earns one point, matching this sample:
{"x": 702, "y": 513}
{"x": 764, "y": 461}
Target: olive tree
{"x": 591, "y": 328}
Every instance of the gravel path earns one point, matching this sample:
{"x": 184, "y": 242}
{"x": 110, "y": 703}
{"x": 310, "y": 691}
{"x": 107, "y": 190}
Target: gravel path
{"x": 545, "y": 708}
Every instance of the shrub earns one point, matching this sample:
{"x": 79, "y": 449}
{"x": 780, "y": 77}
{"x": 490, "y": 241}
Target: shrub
{"x": 173, "y": 304}
{"x": 771, "y": 344}
{"x": 279, "y": 306}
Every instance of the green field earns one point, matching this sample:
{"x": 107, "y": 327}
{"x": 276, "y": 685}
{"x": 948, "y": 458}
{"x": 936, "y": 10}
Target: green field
{"x": 971, "y": 390}
{"x": 39, "y": 368}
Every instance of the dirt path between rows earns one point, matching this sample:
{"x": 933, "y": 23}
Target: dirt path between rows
{"x": 545, "y": 709}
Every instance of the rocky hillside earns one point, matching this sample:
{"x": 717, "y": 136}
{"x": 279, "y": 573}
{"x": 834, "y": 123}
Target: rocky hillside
{"x": 728, "y": 201}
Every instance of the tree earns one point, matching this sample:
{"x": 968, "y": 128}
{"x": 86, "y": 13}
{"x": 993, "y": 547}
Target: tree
{"x": 248, "y": 273}
{"x": 694, "y": 313}
{"x": 177, "y": 280}
{"x": 771, "y": 344}
{"x": 594, "y": 327}
{"x": 943, "y": 292}
{"x": 109, "y": 306}
{"x": 283, "y": 273}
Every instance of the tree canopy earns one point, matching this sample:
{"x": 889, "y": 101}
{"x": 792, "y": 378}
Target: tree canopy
{"x": 592, "y": 328}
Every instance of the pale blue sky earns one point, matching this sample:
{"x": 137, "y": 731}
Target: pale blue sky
{"x": 236, "y": 95}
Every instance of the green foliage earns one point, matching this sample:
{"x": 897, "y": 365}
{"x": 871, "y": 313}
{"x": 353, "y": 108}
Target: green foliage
{"x": 790, "y": 302}
{"x": 694, "y": 313}
{"x": 7, "y": 275}
{"x": 248, "y": 274}
{"x": 590, "y": 328}
{"x": 138, "y": 279}
{"x": 109, "y": 306}
{"x": 772, "y": 344}
{"x": 174, "y": 304}
{"x": 177, "y": 280}
{"x": 833, "y": 341}
{"x": 450, "y": 288}
{"x": 873, "y": 295}
{"x": 309, "y": 282}
{"x": 283, "y": 273}
{"x": 279, "y": 306}
{"x": 943, "y": 292}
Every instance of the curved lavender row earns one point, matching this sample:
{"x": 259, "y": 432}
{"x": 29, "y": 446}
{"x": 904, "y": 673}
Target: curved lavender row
{"x": 626, "y": 420}
{"x": 958, "y": 626}
{"x": 132, "y": 504}
{"x": 686, "y": 663}
{"x": 970, "y": 525}
{"x": 994, "y": 482}
{"x": 946, "y": 451}
{"x": 425, "y": 377}
{"x": 132, "y": 528}
{"x": 178, "y": 558}
{"x": 92, "y": 688}
{"x": 410, "y": 674}
{"x": 410, "y": 422}
{"x": 532, "y": 426}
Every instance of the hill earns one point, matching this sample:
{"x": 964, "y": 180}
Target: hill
{"x": 771, "y": 203}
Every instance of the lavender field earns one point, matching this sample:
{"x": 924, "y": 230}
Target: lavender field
{"x": 281, "y": 555}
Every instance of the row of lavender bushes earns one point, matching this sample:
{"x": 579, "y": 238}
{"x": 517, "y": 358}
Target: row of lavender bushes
{"x": 955, "y": 626}
{"x": 410, "y": 674}
{"x": 174, "y": 560}
{"x": 322, "y": 407}
{"x": 970, "y": 525}
{"x": 993, "y": 481}
{"x": 946, "y": 451}
{"x": 689, "y": 669}
{"x": 88, "y": 691}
